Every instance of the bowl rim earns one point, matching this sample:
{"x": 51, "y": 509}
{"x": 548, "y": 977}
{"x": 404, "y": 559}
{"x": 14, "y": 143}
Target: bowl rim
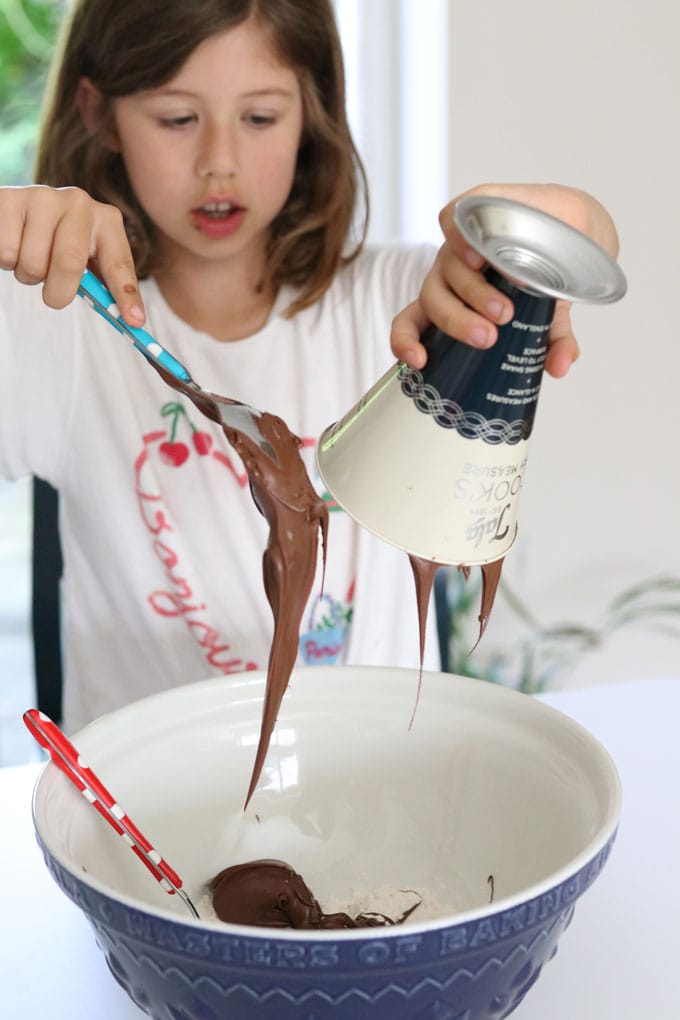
{"x": 602, "y": 839}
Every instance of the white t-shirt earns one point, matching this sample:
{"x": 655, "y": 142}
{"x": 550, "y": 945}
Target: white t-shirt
{"x": 161, "y": 540}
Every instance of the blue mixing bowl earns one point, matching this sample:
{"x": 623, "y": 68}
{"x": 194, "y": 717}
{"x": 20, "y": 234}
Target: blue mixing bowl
{"x": 497, "y": 809}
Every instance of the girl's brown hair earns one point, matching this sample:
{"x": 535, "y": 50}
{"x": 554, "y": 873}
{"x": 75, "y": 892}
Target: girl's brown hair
{"x": 126, "y": 46}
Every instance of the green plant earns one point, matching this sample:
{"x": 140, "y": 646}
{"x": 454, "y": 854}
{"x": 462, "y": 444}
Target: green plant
{"x": 543, "y": 653}
{"x": 27, "y": 32}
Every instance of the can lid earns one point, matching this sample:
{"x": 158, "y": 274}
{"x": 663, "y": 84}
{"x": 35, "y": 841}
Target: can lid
{"x": 539, "y": 252}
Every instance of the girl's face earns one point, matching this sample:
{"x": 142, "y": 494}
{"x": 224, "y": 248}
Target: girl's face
{"x": 211, "y": 154}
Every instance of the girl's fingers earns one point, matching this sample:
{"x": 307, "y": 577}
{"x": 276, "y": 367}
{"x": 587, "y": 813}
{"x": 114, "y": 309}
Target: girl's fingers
{"x": 479, "y": 298}
{"x": 11, "y": 230}
{"x": 462, "y": 303}
{"x": 48, "y": 236}
{"x": 563, "y": 349}
{"x": 69, "y": 248}
{"x": 28, "y": 218}
{"x": 407, "y": 328}
{"x": 111, "y": 253}
{"x": 412, "y": 321}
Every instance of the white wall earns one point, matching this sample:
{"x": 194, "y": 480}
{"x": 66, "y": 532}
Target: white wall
{"x": 587, "y": 92}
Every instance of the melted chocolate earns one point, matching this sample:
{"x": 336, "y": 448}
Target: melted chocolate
{"x": 424, "y": 572}
{"x": 285, "y": 497}
{"x": 270, "y": 894}
{"x": 491, "y": 575}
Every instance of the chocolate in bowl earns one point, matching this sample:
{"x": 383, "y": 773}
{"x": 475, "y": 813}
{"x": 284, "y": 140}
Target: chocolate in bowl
{"x": 487, "y": 783}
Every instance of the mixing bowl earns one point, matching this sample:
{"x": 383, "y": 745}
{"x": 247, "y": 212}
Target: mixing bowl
{"x": 495, "y": 809}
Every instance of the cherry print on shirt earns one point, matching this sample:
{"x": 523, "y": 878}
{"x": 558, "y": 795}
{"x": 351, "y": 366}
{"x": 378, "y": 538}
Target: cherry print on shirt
{"x": 202, "y": 442}
{"x": 174, "y": 454}
{"x": 183, "y": 445}
{"x": 173, "y": 451}
{"x": 177, "y": 599}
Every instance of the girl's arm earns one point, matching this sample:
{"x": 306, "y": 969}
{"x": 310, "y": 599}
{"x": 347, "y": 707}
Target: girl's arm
{"x": 458, "y": 299}
{"x": 49, "y": 235}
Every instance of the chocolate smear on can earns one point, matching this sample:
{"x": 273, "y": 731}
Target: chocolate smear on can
{"x": 424, "y": 572}
{"x": 296, "y": 514}
{"x": 269, "y": 893}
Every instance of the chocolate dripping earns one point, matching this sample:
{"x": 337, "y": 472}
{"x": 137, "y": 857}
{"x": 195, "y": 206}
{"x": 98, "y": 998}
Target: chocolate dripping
{"x": 424, "y": 572}
{"x": 284, "y": 495}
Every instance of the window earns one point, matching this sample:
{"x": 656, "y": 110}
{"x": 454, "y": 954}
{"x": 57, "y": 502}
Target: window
{"x": 397, "y": 92}
{"x": 27, "y": 29}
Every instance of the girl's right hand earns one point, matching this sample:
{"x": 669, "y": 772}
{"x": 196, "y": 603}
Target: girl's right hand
{"x": 49, "y": 235}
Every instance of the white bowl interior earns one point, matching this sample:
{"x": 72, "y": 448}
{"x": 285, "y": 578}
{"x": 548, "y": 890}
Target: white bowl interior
{"x": 487, "y": 782}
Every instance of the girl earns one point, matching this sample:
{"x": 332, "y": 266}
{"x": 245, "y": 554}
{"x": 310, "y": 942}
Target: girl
{"x": 203, "y": 150}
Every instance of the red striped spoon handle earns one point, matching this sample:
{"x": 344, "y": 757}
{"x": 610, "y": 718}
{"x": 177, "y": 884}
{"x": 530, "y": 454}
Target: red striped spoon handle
{"x": 66, "y": 757}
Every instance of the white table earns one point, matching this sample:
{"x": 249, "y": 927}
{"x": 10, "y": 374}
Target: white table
{"x": 616, "y": 960}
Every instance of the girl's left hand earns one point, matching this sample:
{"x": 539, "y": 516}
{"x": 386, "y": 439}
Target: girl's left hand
{"x": 458, "y": 299}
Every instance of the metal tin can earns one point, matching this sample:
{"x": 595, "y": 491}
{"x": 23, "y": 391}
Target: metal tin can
{"x": 433, "y": 461}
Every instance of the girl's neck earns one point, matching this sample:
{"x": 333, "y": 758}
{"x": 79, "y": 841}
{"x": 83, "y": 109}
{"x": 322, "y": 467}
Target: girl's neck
{"x": 216, "y": 301}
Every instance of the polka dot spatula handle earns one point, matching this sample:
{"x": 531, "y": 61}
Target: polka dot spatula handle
{"x": 66, "y": 757}
{"x": 230, "y": 412}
